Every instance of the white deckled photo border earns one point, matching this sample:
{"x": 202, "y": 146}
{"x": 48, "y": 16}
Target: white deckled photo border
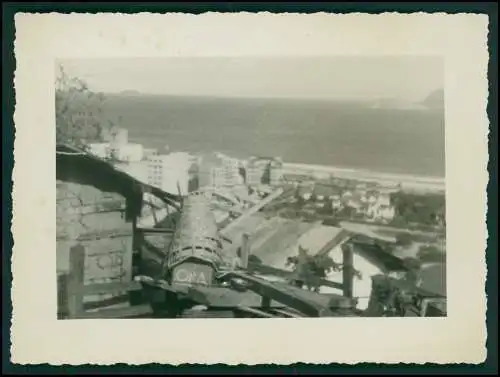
{"x": 38, "y": 337}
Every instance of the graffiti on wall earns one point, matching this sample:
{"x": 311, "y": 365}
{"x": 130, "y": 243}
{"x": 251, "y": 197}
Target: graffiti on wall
{"x": 109, "y": 266}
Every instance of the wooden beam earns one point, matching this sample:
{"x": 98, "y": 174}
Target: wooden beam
{"x": 338, "y": 238}
{"x": 268, "y": 270}
{"x": 245, "y": 250}
{"x": 257, "y": 312}
{"x": 110, "y": 288}
{"x": 225, "y": 231}
{"x": 347, "y": 271}
{"x": 226, "y": 208}
{"x": 288, "y": 313}
{"x": 75, "y": 280}
{"x": 284, "y": 294}
{"x": 62, "y": 296}
{"x": 107, "y": 302}
{"x": 130, "y": 312}
{"x": 156, "y": 230}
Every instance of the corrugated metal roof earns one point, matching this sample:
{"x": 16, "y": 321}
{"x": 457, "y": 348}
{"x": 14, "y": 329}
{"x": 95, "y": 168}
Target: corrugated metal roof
{"x": 77, "y": 165}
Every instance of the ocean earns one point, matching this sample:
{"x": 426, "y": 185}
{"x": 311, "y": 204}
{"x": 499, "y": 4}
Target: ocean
{"x": 342, "y": 134}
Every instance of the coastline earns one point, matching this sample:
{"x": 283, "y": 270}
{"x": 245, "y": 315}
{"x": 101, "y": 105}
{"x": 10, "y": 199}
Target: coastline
{"x": 416, "y": 182}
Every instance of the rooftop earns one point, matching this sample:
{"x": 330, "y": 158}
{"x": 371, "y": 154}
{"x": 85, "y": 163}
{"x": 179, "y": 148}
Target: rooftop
{"x": 76, "y": 165}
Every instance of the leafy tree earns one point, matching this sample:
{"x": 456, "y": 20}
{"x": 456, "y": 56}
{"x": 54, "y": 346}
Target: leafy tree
{"x": 79, "y": 112}
{"x": 426, "y": 209}
{"x": 327, "y": 209}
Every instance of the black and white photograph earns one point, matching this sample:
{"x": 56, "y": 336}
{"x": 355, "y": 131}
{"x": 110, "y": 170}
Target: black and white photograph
{"x": 251, "y": 187}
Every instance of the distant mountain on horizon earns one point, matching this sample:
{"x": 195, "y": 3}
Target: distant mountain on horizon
{"x": 235, "y": 98}
{"x": 127, "y": 93}
{"x": 396, "y": 104}
{"x": 338, "y": 133}
{"x": 435, "y": 100}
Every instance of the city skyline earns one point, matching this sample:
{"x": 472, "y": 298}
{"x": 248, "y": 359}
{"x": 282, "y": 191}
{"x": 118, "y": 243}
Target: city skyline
{"x": 321, "y": 78}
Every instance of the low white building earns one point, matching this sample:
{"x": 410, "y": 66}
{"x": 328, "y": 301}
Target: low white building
{"x": 386, "y": 213}
{"x": 347, "y": 194}
{"x": 128, "y": 152}
{"x": 336, "y": 204}
{"x": 381, "y": 212}
{"x": 118, "y": 148}
{"x": 101, "y": 150}
{"x": 384, "y": 200}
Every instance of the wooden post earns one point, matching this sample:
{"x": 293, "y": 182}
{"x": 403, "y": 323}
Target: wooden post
{"x": 75, "y": 281}
{"x": 347, "y": 271}
{"x": 245, "y": 250}
{"x": 266, "y": 302}
{"x": 62, "y": 296}
{"x": 374, "y": 309}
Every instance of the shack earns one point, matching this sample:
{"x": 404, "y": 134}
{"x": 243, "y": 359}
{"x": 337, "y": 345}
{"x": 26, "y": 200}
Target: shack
{"x": 97, "y": 211}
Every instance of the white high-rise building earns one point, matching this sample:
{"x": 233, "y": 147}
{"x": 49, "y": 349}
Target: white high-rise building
{"x": 217, "y": 170}
{"x": 170, "y": 172}
{"x": 136, "y": 169}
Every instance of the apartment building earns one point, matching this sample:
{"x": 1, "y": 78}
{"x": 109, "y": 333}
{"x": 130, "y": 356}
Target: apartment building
{"x": 136, "y": 169}
{"x": 264, "y": 170}
{"x": 170, "y": 172}
{"x": 217, "y": 170}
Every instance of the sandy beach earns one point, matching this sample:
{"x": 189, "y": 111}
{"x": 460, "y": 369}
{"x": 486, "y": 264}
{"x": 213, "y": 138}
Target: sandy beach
{"x": 410, "y": 182}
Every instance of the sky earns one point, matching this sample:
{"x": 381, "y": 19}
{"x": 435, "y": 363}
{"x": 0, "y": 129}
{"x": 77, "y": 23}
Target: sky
{"x": 409, "y": 78}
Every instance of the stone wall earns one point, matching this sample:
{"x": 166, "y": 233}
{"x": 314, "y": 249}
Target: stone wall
{"x": 96, "y": 220}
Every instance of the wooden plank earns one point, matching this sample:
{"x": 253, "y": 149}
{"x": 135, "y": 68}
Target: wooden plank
{"x": 62, "y": 296}
{"x": 268, "y": 270}
{"x": 287, "y": 295}
{"x": 222, "y": 297}
{"x": 227, "y": 208}
{"x": 257, "y": 312}
{"x": 110, "y": 288}
{"x": 106, "y": 303}
{"x": 288, "y": 313}
{"x": 75, "y": 280}
{"x": 251, "y": 211}
{"x": 339, "y": 237}
{"x": 130, "y": 312}
{"x": 329, "y": 300}
{"x": 156, "y": 230}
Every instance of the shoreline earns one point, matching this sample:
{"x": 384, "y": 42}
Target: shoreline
{"x": 426, "y": 183}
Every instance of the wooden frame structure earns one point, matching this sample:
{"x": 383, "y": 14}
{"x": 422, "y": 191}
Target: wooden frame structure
{"x": 72, "y": 290}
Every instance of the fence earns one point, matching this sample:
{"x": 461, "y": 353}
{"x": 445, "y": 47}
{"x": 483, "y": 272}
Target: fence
{"x": 72, "y": 290}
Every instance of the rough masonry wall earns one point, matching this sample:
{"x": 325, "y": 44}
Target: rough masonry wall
{"x": 96, "y": 220}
